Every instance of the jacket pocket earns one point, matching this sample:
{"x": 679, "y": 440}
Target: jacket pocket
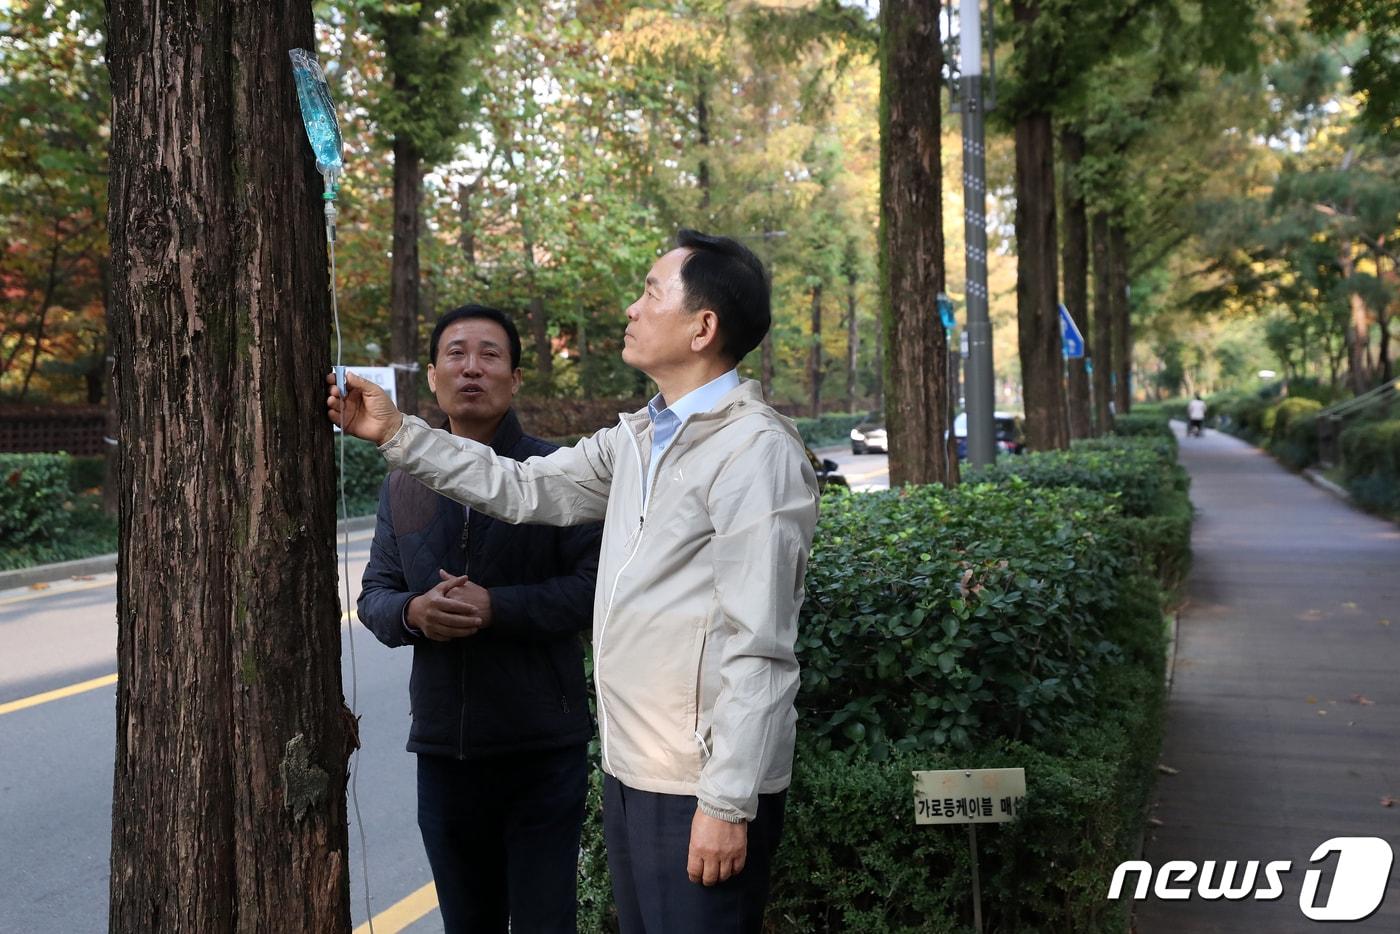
{"x": 697, "y": 734}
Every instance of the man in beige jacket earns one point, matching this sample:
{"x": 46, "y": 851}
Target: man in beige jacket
{"x": 709, "y": 505}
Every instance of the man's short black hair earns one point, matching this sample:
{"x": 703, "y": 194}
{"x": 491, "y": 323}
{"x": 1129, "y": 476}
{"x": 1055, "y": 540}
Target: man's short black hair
{"x": 477, "y": 311}
{"x": 725, "y": 276}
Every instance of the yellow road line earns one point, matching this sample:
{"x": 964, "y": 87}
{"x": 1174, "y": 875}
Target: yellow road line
{"x": 82, "y": 687}
{"x": 58, "y": 592}
{"x": 58, "y": 694}
{"x": 111, "y": 580}
{"x": 401, "y": 914}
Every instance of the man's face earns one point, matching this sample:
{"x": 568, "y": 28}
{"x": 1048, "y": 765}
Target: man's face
{"x": 472, "y": 376}
{"x": 659, "y": 329}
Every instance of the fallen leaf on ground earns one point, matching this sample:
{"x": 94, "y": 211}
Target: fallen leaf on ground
{"x": 1322, "y": 713}
{"x": 83, "y": 577}
{"x": 1388, "y": 801}
{"x": 1350, "y": 605}
{"x": 1363, "y": 700}
{"x": 1167, "y": 770}
{"x": 1383, "y": 622}
{"x": 38, "y": 586}
{"x": 1312, "y": 699}
{"x": 1154, "y": 822}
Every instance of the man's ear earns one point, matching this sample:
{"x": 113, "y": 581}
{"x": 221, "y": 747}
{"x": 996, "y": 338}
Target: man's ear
{"x": 432, "y": 378}
{"x": 517, "y": 376}
{"x": 706, "y": 332}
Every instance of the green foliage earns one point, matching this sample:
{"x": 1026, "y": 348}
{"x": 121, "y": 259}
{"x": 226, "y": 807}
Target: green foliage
{"x": 34, "y": 498}
{"x": 1293, "y": 436}
{"x": 1139, "y": 472}
{"x": 1371, "y": 464}
{"x": 427, "y": 53}
{"x": 831, "y": 428}
{"x": 364, "y": 473}
{"x": 87, "y": 473}
{"x": 1142, "y": 422}
{"x": 936, "y": 617}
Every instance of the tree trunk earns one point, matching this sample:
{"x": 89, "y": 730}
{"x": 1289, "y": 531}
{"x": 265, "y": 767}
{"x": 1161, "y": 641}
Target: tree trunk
{"x": 766, "y": 373}
{"x": 1358, "y": 329}
{"x": 814, "y": 364}
{"x": 228, "y": 809}
{"x": 1074, "y": 252}
{"x": 911, "y": 241}
{"x": 403, "y": 274}
{"x": 1102, "y": 322}
{"x": 466, "y": 237}
{"x": 1122, "y": 317}
{"x": 539, "y": 323}
{"x": 702, "y": 125}
{"x": 1383, "y": 319}
{"x": 1037, "y": 311}
{"x": 852, "y": 345}
{"x": 879, "y": 368}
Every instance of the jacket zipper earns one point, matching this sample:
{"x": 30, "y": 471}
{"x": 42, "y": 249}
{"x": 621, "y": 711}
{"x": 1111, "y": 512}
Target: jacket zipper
{"x": 466, "y": 564}
{"x": 612, "y": 595}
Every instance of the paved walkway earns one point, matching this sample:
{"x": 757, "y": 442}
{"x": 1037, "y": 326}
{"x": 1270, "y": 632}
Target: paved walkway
{"x": 1284, "y": 716}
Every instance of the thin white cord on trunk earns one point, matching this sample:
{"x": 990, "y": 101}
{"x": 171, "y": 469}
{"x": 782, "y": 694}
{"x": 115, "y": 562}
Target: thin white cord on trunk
{"x": 345, "y": 576}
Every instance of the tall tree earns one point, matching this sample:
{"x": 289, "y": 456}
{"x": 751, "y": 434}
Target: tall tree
{"x": 911, "y": 241}
{"x": 1074, "y": 247}
{"x": 228, "y": 808}
{"x": 426, "y": 53}
{"x": 1101, "y": 338}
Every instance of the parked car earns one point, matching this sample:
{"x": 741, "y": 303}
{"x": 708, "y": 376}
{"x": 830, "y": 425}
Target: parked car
{"x": 827, "y": 471}
{"x": 869, "y": 437}
{"x": 1008, "y": 433}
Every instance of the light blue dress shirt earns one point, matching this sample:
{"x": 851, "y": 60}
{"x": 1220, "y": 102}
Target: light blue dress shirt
{"x": 666, "y": 420}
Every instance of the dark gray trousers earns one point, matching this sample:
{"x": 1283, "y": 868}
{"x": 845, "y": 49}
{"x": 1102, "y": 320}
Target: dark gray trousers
{"x": 648, "y": 840}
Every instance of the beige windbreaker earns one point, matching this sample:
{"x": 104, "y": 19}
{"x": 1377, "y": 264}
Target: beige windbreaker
{"x": 695, "y": 616}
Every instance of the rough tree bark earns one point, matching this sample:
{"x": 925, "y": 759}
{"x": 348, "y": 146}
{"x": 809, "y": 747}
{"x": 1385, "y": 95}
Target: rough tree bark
{"x": 852, "y": 344}
{"x": 1102, "y": 326}
{"x": 814, "y": 360}
{"x": 1358, "y": 329}
{"x": 403, "y": 272}
{"x": 1074, "y": 252}
{"x": 1037, "y": 312}
{"x": 1118, "y": 261}
{"x": 911, "y": 241}
{"x": 228, "y": 809}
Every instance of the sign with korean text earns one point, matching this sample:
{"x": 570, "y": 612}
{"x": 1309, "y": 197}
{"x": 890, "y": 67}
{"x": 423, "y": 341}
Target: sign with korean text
{"x": 968, "y": 796}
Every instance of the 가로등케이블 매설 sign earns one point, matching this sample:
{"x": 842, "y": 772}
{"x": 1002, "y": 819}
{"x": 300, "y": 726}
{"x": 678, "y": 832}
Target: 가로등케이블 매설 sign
{"x": 968, "y": 796}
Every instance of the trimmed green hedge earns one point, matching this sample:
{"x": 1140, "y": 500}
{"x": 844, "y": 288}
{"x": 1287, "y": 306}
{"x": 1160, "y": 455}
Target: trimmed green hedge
{"x": 1371, "y": 465}
{"x": 831, "y": 428}
{"x": 34, "y": 498}
{"x": 42, "y": 520}
{"x": 1006, "y": 623}
{"x": 1293, "y": 432}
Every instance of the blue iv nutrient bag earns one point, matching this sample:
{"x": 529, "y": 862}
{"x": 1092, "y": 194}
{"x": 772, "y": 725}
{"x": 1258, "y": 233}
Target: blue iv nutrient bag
{"x": 318, "y": 114}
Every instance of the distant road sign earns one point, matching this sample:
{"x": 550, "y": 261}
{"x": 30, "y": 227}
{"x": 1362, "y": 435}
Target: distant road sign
{"x": 1071, "y": 341}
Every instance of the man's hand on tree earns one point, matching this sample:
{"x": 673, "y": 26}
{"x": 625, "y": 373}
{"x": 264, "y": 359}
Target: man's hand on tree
{"x": 442, "y": 615}
{"x": 366, "y": 412}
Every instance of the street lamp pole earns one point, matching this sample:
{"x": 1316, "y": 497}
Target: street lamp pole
{"x": 981, "y": 438}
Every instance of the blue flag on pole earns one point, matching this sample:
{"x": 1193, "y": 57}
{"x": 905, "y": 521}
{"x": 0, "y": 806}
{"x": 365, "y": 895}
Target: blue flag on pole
{"x": 1071, "y": 341}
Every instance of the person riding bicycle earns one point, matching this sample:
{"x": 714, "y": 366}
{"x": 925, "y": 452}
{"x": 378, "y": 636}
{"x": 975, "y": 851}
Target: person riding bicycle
{"x": 1195, "y": 416}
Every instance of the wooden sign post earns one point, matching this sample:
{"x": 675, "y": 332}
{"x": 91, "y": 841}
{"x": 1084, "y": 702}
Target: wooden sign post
{"x": 972, "y": 797}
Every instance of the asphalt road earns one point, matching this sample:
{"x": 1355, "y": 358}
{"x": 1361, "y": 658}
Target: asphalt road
{"x": 56, "y": 756}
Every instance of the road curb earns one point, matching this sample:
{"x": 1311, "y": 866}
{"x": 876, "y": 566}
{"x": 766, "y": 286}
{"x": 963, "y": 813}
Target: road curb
{"x": 1318, "y": 480}
{"x": 107, "y": 564}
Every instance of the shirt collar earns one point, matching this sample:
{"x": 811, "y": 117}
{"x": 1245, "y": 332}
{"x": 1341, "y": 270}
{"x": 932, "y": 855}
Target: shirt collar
{"x": 696, "y": 401}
